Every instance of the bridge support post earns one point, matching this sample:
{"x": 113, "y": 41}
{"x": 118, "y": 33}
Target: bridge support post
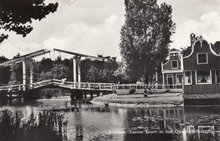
{"x": 79, "y": 69}
{"x": 10, "y": 97}
{"x": 31, "y": 75}
{"x": 74, "y": 70}
{"x": 73, "y": 95}
{"x": 85, "y": 95}
{"x": 164, "y": 115}
{"x": 91, "y": 96}
{"x": 24, "y": 74}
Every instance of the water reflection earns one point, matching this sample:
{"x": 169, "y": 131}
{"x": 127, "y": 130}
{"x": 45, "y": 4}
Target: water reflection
{"x": 89, "y": 122}
{"x": 154, "y": 124}
{"x": 202, "y": 123}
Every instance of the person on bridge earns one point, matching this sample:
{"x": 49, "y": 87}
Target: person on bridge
{"x": 63, "y": 80}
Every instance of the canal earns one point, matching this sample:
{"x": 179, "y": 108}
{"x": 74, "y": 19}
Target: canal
{"x": 91, "y": 122}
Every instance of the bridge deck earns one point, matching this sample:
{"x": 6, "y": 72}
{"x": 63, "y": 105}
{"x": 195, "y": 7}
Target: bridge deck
{"x": 62, "y": 84}
{"x": 87, "y": 86}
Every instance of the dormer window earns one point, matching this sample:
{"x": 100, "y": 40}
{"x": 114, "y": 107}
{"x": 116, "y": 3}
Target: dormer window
{"x": 202, "y": 58}
{"x": 174, "y": 64}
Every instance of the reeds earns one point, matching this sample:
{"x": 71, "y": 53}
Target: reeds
{"x": 46, "y": 126}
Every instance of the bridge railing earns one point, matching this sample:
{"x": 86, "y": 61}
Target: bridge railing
{"x": 125, "y": 88}
{"x": 17, "y": 87}
{"x": 96, "y": 86}
{"x": 83, "y": 85}
{"x": 41, "y": 83}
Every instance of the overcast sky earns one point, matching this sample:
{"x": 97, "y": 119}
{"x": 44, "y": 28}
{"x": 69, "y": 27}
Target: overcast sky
{"x": 93, "y": 27}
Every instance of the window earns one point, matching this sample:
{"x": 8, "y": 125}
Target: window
{"x": 202, "y": 58}
{"x": 173, "y": 54}
{"x": 174, "y": 64}
{"x": 203, "y": 77}
{"x": 179, "y": 79}
{"x": 217, "y": 76}
{"x": 188, "y": 78}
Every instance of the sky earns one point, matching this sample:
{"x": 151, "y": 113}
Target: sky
{"x": 93, "y": 27}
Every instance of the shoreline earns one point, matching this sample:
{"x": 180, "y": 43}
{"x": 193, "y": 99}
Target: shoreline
{"x": 138, "y": 100}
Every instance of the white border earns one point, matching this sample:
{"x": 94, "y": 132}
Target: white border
{"x": 172, "y": 64}
{"x": 172, "y": 71}
{"x": 197, "y": 58}
{"x": 210, "y": 72}
{"x": 185, "y": 77}
{"x": 182, "y": 78}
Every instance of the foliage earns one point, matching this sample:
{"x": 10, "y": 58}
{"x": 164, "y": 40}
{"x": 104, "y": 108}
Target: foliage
{"x": 48, "y": 126}
{"x": 99, "y": 71}
{"x": 4, "y": 72}
{"x": 91, "y": 70}
{"x": 145, "y": 37}
{"x": 16, "y": 74}
{"x": 17, "y": 15}
{"x": 60, "y": 71}
{"x": 120, "y": 73}
{"x": 44, "y": 76}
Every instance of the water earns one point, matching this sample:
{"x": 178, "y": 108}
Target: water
{"x": 90, "y": 122}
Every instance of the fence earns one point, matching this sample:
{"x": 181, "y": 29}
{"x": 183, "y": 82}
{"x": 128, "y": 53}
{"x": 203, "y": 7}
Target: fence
{"x": 125, "y": 88}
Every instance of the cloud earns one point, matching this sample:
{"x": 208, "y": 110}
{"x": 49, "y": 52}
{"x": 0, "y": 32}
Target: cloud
{"x": 85, "y": 26}
{"x": 90, "y": 39}
{"x": 207, "y": 26}
{"x": 93, "y": 26}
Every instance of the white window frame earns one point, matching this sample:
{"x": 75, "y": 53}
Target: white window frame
{"x": 197, "y": 58}
{"x": 176, "y": 63}
{"x": 176, "y": 78}
{"x": 185, "y": 78}
{"x": 216, "y": 76}
{"x": 203, "y": 83}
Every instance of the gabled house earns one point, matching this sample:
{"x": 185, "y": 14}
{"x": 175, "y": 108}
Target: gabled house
{"x": 201, "y": 69}
{"x": 172, "y": 70}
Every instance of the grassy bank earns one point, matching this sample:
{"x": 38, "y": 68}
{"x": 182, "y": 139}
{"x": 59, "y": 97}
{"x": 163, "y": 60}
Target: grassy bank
{"x": 154, "y": 100}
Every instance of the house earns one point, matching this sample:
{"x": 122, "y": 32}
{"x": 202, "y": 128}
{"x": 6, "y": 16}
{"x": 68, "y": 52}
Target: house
{"x": 201, "y": 68}
{"x": 172, "y": 70}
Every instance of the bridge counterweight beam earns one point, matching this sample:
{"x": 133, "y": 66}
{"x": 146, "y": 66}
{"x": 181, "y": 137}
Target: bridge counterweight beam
{"x": 24, "y": 74}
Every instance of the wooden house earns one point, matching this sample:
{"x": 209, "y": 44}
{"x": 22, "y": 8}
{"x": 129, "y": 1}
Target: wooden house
{"x": 201, "y": 69}
{"x": 172, "y": 70}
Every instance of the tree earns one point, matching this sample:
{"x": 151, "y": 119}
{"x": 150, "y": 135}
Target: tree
{"x": 93, "y": 74}
{"x": 186, "y": 51}
{"x": 145, "y": 37}
{"x": 16, "y": 74}
{"x": 17, "y": 15}
{"x": 4, "y": 72}
{"x": 60, "y": 71}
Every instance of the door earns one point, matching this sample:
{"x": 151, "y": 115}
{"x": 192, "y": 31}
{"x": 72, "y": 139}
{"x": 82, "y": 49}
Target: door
{"x": 170, "y": 80}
